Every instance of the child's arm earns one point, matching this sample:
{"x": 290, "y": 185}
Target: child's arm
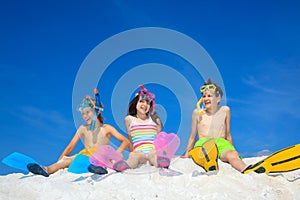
{"x": 127, "y": 122}
{"x": 158, "y": 122}
{"x": 124, "y": 141}
{"x": 68, "y": 150}
{"x": 192, "y": 138}
{"x": 227, "y": 122}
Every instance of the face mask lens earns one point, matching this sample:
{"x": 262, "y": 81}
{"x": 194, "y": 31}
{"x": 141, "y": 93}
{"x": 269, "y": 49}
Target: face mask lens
{"x": 207, "y": 87}
{"x": 211, "y": 87}
{"x": 146, "y": 98}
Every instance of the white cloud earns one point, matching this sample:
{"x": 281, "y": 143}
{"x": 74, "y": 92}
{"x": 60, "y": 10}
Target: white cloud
{"x": 264, "y": 152}
{"x": 43, "y": 119}
{"x": 258, "y": 84}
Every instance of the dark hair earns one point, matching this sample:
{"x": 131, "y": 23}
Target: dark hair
{"x": 218, "y": 91}
{"x": 100, "y": 118}
{"x": 133, "y": 111}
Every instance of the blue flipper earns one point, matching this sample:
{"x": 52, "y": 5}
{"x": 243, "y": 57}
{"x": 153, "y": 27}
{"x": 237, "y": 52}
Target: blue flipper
{"x": 18, "y": 161}
{"x": 80, "y": 164}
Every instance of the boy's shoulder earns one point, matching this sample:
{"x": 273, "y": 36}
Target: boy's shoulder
{"x": 107, "y": 127}
{"x": 226, "y": 108}
{"x": 83, "y": 126}
{"x": 196, "y": 110}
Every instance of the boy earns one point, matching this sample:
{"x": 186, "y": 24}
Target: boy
{"x": 214, "y": 122}
{"x": 101, "y": 135}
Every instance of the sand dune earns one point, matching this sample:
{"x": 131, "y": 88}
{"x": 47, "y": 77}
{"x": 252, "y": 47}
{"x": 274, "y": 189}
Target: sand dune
{"x": 146, "y": 182}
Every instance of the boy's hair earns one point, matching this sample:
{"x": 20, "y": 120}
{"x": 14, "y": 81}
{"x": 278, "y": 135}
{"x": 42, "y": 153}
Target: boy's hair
{"x": 218, "y": 90}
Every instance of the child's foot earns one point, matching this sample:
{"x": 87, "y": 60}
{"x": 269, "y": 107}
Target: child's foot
{"x": 163, "y": 162}
{"x": 97, "y": 169}
{"x": 121, "y": 166}
{"x": 37, "y": 169}
{"x": 250, "y": 168}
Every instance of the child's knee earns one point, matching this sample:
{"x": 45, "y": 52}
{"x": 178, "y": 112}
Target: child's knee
{"x": 66, "y": 161}
{"x": 138, "y": 155}
{"x": 232, "y": 155}
{"x": 152, "y": 154}
{"x": 226, "y": 156}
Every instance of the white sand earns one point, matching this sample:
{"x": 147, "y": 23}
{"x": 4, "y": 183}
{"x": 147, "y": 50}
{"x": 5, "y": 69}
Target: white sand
{"x": 146, "y": 183}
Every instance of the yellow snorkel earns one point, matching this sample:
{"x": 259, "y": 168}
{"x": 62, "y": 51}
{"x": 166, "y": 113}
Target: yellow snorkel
{"x": 198, "y": 106}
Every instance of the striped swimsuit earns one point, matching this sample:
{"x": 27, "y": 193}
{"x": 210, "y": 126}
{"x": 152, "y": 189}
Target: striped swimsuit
{"x": 142, "y": 135}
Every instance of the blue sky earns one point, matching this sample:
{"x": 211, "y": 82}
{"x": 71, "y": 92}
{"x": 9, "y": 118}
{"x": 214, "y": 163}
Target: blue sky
{"x": 254, "y": 44}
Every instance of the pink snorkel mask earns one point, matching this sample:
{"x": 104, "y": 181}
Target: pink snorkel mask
{"x": 148, "y": 96}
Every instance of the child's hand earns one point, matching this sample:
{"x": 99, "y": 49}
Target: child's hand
{"x": 120, "y": 154}
{"x": 185, "y": 156}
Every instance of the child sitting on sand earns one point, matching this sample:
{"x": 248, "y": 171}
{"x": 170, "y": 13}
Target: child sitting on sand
{"x": 142, "y": 124}
{"x": 101, "y": 135}
{"x": 214, "y": 122}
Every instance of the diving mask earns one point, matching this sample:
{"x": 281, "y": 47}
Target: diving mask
{"x": 87, "y": 102}
{"x": 148, "y": 96}
{"x": 210, "y": 87}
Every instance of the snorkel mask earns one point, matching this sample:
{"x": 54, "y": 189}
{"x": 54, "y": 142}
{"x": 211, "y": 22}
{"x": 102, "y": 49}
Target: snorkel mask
{"x": 148, "y": 96}
{"x": 88, "y": 102}
{"x": 210, "y": 87}
{"x": 95, "y": 104}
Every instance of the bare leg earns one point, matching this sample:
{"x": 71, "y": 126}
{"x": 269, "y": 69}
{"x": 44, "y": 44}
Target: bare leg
{"x": 135, "y": 158}
{"x": 61, "y": 164}
{"x": 152, "y": 158}
{"x": 232, "y": 157}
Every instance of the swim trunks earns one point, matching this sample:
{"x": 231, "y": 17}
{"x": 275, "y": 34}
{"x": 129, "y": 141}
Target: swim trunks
{"x": 87, "y": 152}
{"x": 221, "y": 143}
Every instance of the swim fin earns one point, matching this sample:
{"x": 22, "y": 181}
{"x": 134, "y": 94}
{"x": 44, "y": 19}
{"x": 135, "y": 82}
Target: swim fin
{"x": 106, "y": 156}
{"x": 80, "y": 164}
{"x": 37, "y": 169}
{"x": 206, "y": 156}
{"x": 284, "y": 160}
{"x": 166, "y": 146}
{"x": 18, "y": 161}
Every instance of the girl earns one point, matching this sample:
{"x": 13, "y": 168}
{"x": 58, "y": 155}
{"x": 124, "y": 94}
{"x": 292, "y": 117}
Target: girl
{"x": 142, "y": 124}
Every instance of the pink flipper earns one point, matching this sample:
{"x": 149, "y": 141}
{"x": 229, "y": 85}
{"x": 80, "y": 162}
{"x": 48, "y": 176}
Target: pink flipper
{"x": 106, "y": 156}
{"x": 95, "y": 161}
{"x": 166, "y": 146}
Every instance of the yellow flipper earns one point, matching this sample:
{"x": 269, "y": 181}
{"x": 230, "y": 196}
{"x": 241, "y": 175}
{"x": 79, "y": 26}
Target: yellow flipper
{"x": 285, "y": 160}
{"x": 206, "y": 156}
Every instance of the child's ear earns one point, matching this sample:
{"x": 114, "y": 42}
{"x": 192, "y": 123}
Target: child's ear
{"x": 219, "y": 99}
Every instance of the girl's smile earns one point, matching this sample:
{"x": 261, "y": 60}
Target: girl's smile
{"x": 143, "y": 106}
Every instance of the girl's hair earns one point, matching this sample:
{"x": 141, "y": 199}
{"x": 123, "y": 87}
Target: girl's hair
{"x": 133, "y": 111}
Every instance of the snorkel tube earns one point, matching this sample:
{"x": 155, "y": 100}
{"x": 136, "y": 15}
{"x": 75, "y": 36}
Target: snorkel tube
{"x": 97, "y": 108}
{"x": 198, "y": 106}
